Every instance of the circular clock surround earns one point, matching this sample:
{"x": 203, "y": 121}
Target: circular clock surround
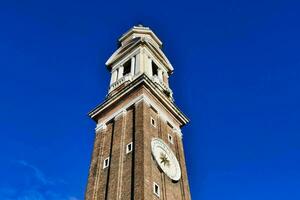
{"x": 165, "y": 159}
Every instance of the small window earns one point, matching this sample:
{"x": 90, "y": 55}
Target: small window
{"x": 154, "y": 69}
{"x": 129, "y": 148}
{"x": 127, "y": 67}
{"x": 106, "y": 163}
{"x": 170, "y": 138}
{"x": 156, "y": 190}
{"x": 153, "y": 122}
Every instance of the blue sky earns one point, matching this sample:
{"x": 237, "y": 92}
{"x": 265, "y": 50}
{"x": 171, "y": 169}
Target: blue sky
{"x": 237, "y": 77}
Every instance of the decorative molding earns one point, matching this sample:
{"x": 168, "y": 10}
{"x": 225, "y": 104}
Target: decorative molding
{"x": 122, "y": 60}
{"x": 129, "y": 147}
{"x": 100, "y": 126}
{"x": 156, "y": 187}
{"x": 119, "y": 82}
{"x": 135, "y": 101}
{"x": 162, "y": 115}
{"x": 160, "y": 55}
{"x": 154, "y": 57}
{"x": 106, "y": 163}
{"x": 122, "y": 113}
{"x": 141, "y": 30}
{"x": 170, "y": 138}
{"x": 114, "y": 58}
{"x": 122, "y": 52}
{"x": 140, "y": 100}
{"x": 153, "y": 122}
{"x": 152, "y": 88}
{"x": 177, "y": 131}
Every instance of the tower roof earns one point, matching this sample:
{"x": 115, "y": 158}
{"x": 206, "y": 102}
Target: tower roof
{"x": 139, "y": 31}
{"x": 132, "y": 39}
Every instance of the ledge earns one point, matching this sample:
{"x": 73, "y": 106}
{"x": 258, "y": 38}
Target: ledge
{"x": 155, "y": 91}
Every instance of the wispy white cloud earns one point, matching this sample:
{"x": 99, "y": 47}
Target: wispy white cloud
{"x": 42, "y": 189}
{"x": 32, "y": 194}
{"x": 39, "y": 175}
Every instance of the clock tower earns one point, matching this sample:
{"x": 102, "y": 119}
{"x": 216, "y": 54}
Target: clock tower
{"x": 138, "y": 151}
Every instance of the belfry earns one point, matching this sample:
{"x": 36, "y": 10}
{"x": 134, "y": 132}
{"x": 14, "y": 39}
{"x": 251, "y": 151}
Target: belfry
{"x": 138, "y": 151}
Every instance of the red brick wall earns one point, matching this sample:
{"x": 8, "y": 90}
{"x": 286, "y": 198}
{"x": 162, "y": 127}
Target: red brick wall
{"x": 131, "y": 176}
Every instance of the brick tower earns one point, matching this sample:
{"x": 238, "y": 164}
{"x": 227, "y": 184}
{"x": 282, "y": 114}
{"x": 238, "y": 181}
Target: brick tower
{"x": 138, "y": 151}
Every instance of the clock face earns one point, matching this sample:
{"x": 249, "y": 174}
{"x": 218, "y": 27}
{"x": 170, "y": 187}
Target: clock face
{"x": 165, "y": 159}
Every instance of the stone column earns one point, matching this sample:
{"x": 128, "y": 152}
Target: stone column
{"x": 149, "y": 66}
{"x": 120, "y": 72}
{"x": 114, "y": 75}
{"x": 94, "y": 167}
{"x": 102, "y": 177}
{"x": 165, "y": 79}
{"x": 116, "y": 158}
{"x": 138, "y": 64}
{"x": 142, "y": 153}
{"x": 184, "y": 178}
{"x": 160, "y": 74}
{"x": 132, "y": 70}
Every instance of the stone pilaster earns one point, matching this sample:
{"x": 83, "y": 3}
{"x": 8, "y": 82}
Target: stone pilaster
{"x": 102, "y": 177}
{"x": 184, "y": 178}
{"x": 116, "y": 157}
{"x": 132, "y": 70}
{"x": 90, "y": 189}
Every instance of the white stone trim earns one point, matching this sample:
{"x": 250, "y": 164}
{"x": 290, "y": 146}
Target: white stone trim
{"x": 104, "y": 163}
{"x": 123, "y": 112}
{"x": 157, "y": 61}
{"x": 170, "y": 138}
{"x": 162, "y": 114}
{"x": 126, "y": 58}
{"x": 140, "y": 30}
{"x": 114, "y": 75}
{"x": 132, "y": 66}
{"x": 157, "y": 193}
{"x": 120, "y": 72}
{"x": 121, "y": 157}
{"x": 127, "y": 147}
{"x": 177, "y": 131}
{"x": 140, "y": 100}
{"x": 120, "y": 52}
{"x": 120, "y": 81}
{"x": 153, "y": 120}
{"x": 100, "y": 126}
{"x": 137, "y": 100}
{"x": 156, "y": 91}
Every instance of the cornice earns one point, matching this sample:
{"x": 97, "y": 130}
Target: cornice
{"x": 119, "y": 53}
{"x": 142, "y": 30}
{"x": 142, "y": 79}
{"x": 122, "y": 111}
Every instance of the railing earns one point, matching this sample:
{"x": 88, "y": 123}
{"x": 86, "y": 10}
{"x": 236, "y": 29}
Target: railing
{"x": 120, "y": 81}
{"x": 163, "y": 86}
